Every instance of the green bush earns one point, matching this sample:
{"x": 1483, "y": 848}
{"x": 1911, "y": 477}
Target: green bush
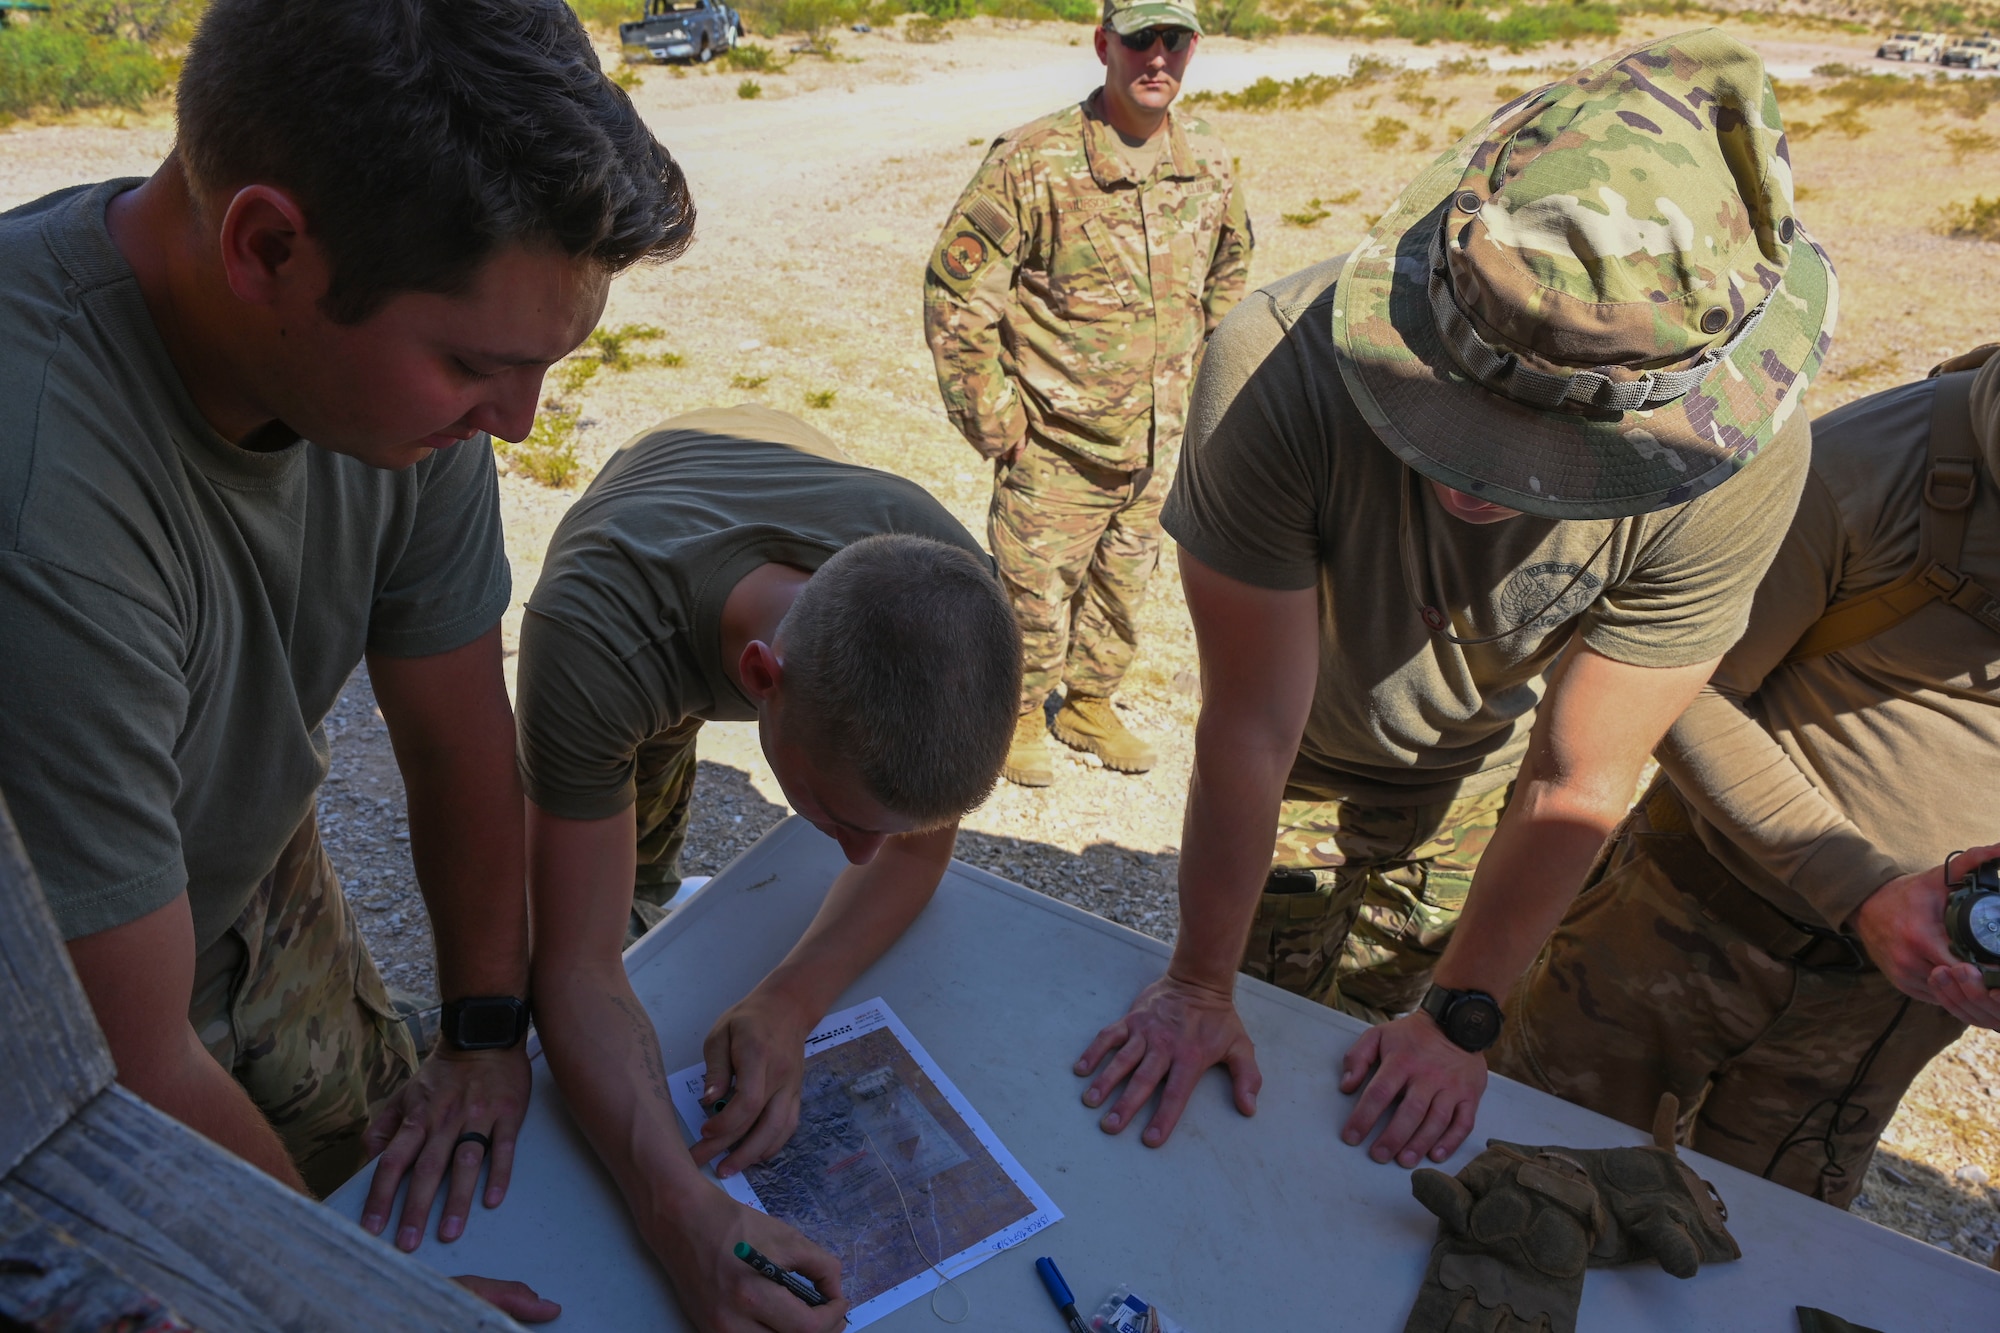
{"x": 144, "y": 22}
{"x": 926, "y": 30}
{"x": 749, "y": 90}
{"x": 607, "y": 14}
{"x": 1234, "y": 18}
{"x": 1426, "y": 21}
{"x": 754, "y": 59}
{"x": 45, "y": 66}
{"x": 1268, "y": 94}
{"x": 1977, "y": 221}
{"x": 1385, "y": 132}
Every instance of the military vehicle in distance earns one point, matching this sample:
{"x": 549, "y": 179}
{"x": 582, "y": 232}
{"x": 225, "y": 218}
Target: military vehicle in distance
{"x": 1906, "y": 46}
{"x": 1981, "y": 52}
{"x": 693, "y": 30}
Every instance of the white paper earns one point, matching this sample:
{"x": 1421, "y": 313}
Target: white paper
{"x": 877, "y": 1114}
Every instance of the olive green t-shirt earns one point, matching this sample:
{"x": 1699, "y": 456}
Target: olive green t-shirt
{"x": 1817, "y": 782}
{"x": 178, "y": 613}
{"x": 623, "y": 637}
{"x": 1282, "y": 485}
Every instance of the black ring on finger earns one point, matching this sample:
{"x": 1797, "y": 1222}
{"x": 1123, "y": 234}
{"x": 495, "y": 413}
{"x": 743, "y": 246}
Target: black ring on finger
{"x": 474, "y": 1136}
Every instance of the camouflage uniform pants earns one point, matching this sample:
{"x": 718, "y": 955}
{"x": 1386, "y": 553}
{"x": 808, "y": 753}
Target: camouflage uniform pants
{"x": 1643, "y": 990}
{"x": 290, "y": 1003}
{"x": 1362, "y": 899}
{"x": 665, "y": 778}
{"x": 1076, "y": 545}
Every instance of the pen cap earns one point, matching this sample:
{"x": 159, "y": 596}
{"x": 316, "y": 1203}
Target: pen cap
{"x": 1058, "y": 1289}
{"x": 742, "y": 1250}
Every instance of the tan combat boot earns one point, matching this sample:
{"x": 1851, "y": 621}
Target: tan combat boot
{"x": 1028, "y": 757}
{"x": 1092, "y": 725}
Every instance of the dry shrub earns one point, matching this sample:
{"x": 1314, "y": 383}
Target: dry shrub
{"x": 1269, "y": 94}
{"x": 548, "y": 455}
{"x": 1978, "y": 220}
{"x": 1964, "y": 143}
{"x": 1385, "y": 132}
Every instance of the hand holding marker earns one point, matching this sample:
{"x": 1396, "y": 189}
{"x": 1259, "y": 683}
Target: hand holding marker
{"x": 798, "y": 1286}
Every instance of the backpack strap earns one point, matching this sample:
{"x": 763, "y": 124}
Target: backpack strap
{"x": 1951, "y": 483}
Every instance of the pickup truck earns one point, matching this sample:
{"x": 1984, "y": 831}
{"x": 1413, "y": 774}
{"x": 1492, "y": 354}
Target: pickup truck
{"x": 694, "y": 30}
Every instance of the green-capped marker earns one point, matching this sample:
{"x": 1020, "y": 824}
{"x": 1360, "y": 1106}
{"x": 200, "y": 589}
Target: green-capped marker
{"x": 798, "y": 1286}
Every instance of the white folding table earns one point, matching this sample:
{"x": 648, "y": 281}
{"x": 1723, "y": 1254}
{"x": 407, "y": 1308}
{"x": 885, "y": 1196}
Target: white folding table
{"x": 1235, "y": 1225}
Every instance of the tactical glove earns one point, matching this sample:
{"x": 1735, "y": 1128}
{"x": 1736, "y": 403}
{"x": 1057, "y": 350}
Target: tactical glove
{"x": 1516, "y": 1230}
{"x": 1660, "y": 1209}
{"x": 1518, "y": 1226}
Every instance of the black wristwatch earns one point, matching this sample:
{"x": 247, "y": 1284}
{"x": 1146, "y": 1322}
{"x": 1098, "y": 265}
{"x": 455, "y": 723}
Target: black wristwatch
{"x": 1469, "y": 1018}
{"x": 484, "y": 1023}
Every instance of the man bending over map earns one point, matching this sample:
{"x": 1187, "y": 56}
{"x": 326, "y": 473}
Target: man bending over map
{"x": 730, "y": 565}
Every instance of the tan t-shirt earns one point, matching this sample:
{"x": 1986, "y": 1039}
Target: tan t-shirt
{"x": 623, "y": 637}
{"x": 1818, "y": 782}
{"x": 1284, "y": 486}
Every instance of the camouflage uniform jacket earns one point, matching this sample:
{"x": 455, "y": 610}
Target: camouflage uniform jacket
{"x": 1069, "y": 300}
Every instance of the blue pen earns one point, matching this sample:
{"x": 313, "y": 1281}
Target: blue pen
{"x": 1059, "y": 1293}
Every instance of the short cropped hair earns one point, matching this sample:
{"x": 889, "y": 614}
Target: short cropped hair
{"x": 901, "y": 656}
{"x": 419, "y": 136}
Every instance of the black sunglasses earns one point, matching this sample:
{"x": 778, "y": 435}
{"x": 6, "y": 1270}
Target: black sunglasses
{"x": 1171, "y": 38}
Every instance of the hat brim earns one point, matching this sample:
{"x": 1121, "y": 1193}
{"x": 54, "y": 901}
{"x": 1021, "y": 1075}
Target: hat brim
{"x": 1560, "y": 464}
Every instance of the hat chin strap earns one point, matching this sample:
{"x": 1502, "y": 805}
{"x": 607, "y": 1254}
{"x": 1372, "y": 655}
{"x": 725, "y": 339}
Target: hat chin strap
{"x": 1504, "y": 373}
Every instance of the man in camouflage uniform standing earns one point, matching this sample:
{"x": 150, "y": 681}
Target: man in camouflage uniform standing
{"x": 1066, "y": 306}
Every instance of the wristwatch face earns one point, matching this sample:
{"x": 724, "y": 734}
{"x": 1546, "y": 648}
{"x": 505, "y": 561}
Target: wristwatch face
{"x": 485, "y": 1024}
{"x": 1473, "y": 1022}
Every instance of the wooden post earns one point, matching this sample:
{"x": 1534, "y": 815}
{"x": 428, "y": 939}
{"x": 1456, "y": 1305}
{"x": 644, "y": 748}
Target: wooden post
{"x": 114, "y": 1216}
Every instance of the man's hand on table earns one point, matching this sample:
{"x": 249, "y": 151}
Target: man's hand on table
{"x": 756, "y": 1058}
{"x": 1173, "y": 1034}
{"x": 417, "y": 1133}
{"x": 1438, "y": 1083}
{"x": 517, "y": 1300}
{"x": 1901, "y": 925}
{"x": 720, "y": 1293}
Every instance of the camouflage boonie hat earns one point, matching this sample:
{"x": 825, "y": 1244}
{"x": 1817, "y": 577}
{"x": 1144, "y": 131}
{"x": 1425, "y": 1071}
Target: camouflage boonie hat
{"x": 1599, "y": 304}
{"x": 1129, "y": 16}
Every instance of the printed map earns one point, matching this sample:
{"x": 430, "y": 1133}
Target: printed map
{"x": 890, "y": 1168}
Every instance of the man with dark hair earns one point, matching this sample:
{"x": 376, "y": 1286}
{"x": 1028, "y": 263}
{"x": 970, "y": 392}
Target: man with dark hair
{"x": 245, "y": 447}
{"x": 728, "y": 565}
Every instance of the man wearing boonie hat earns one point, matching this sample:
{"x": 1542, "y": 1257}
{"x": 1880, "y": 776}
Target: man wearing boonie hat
{"x": 1479, "y": 505}
{"x": 1066, "y": 304}
{"x": 1765, "y": 937}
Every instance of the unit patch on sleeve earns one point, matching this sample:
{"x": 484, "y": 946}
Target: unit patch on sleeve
{"x": 963, "y": 255}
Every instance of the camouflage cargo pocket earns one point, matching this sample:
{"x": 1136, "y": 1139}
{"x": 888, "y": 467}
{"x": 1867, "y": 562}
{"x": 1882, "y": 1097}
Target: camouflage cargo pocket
{"x": 1302, "y": 921}
{"x": 304, "y": 1021}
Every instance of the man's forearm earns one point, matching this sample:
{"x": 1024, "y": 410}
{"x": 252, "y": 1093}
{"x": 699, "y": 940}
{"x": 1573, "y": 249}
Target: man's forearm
{"x": 867, "y": 910}
{"x": 1226, "y": 840}
{"x": 198, "y": 1092}
{"x": 1525, "y": 882}
{"x": 466, "y": 838}
{"x": 601, "y": 1046}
